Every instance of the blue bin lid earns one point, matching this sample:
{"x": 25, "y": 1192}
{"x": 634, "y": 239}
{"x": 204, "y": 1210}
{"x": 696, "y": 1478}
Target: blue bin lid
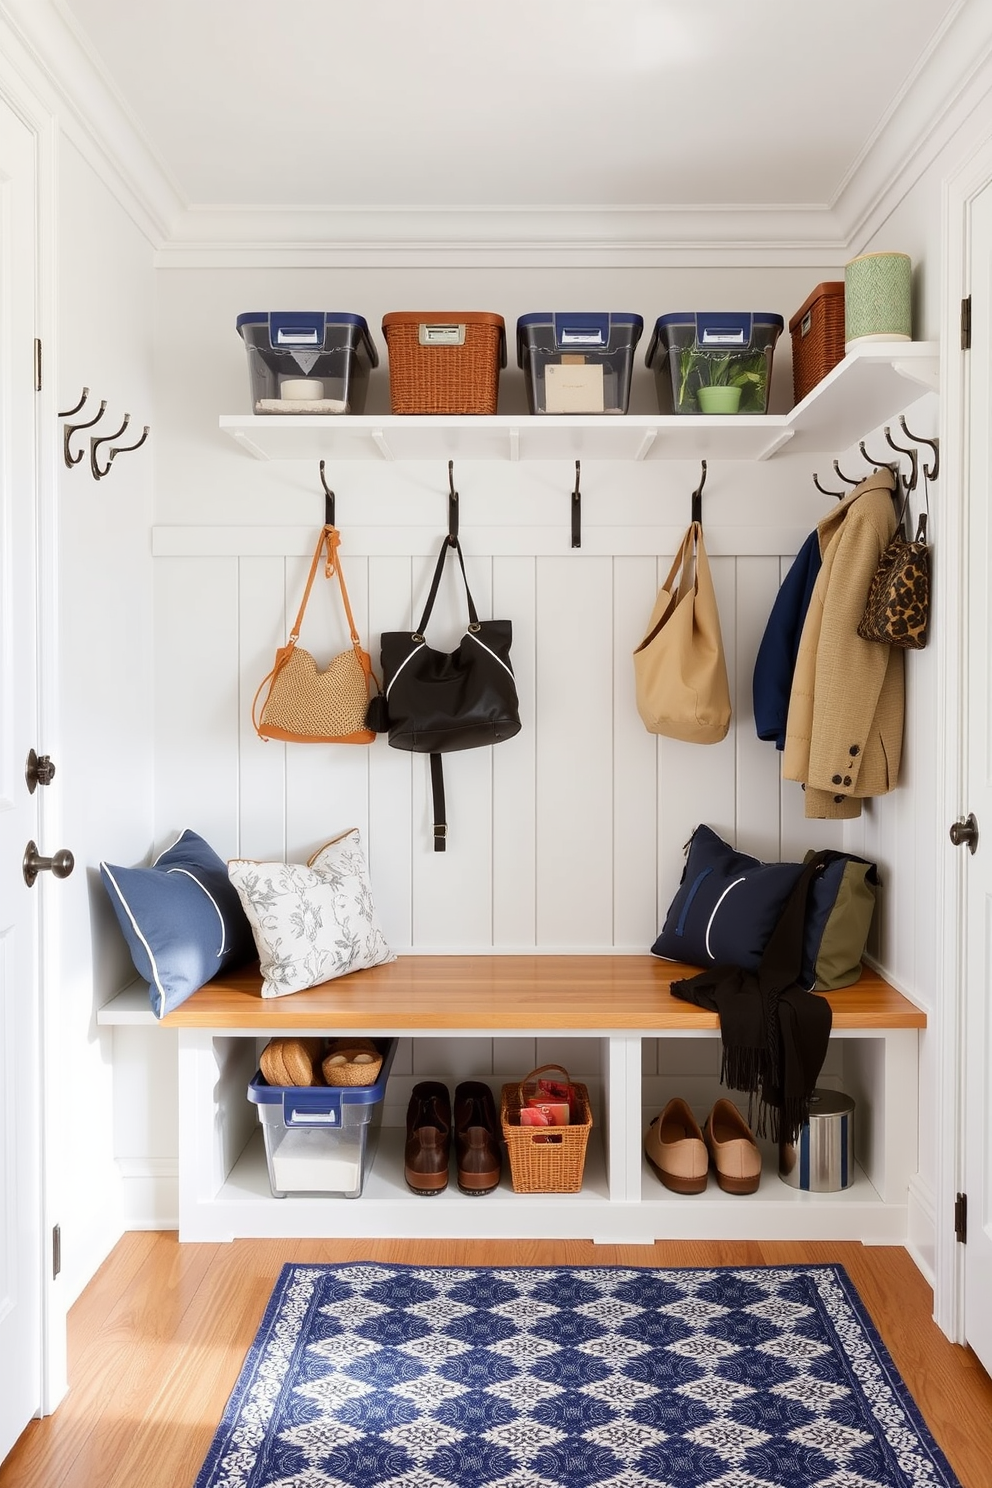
{"x": 306, "y": 328}
{"x": 579, "y": 328}
{"x": 714, "y": 327}
{"x": 320, "y": 1105}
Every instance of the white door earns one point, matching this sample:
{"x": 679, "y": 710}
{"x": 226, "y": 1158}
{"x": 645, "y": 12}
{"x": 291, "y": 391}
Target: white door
{"x": 21, "y": 1248}
{"x": 978, "y": 868}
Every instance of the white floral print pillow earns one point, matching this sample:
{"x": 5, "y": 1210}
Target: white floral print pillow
{"x": 311, "y": 922}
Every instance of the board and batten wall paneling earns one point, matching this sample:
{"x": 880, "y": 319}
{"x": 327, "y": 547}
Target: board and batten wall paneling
{"x": 391, "y": 826}
{"x": 635, "y": 774}
{"x": 197, "y": 713}
{"x": 514, "y": 775}
{"x": 573, "y": 728}
{"x": 262, "y": 626}
{"x": 570, "y": 836}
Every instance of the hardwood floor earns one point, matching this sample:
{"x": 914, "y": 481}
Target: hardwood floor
{"x": 158, "y": 1337}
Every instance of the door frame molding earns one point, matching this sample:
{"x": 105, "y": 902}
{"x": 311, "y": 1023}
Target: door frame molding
{"x": 22, "y": 90}
{"x": 959, "y": 192}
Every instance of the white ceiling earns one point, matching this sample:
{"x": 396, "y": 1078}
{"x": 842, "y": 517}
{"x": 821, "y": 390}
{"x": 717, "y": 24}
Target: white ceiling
{"x": 622, "y": 108}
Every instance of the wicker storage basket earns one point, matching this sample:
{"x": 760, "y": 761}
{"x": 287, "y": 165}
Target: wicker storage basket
{"x": 545, "y": 1159}
{"x": 444, "y": 361}
{"x": 817, "y": 331}
{"x": 354, "y": 1061}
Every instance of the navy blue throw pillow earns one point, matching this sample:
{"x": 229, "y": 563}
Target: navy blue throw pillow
{"x": 182, "y": 919}
{"x": 728, "y": 903}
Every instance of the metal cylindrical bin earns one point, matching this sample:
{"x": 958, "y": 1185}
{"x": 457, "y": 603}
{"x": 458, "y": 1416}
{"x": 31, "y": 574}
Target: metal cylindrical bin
{"x": 822, "y": 1160}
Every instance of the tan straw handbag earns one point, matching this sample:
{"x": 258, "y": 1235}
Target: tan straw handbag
{"x": 304, "y": 704}
{"x": 680, "y": 672}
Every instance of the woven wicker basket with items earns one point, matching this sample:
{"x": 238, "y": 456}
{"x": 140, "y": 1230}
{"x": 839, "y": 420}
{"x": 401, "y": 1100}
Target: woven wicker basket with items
{"x": 546, "y": 1120}
{"x": 444, "y": 361}
{"x": 817, "y": 331}
{"x": 318, "y": 1061}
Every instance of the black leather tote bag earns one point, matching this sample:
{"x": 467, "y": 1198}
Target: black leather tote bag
{"x": 438, "y": 702}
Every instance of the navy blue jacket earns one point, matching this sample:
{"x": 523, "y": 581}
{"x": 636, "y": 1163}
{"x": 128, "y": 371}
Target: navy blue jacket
{"x": 775, "y": 663}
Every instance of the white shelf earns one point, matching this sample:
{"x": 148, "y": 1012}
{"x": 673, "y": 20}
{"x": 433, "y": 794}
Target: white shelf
{"x": 131, "y": 1008}
{"x": 244, "y": 1206}
{"x": 224, "y": 1191}
{"x": 870, "y": 386}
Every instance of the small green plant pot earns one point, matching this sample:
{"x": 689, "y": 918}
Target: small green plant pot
{"x": 719, "y": 399}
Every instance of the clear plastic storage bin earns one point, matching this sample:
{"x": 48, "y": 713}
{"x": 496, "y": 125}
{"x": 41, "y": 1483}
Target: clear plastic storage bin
{"x": 577, "y": 362}
{"x": 321, "y": 1139}
{"x": 307, "y": 361}
{"x": 714, "y": 361}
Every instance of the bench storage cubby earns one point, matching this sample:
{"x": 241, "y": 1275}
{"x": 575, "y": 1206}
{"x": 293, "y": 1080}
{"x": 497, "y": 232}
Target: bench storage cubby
{"x": 611, "y": 1020}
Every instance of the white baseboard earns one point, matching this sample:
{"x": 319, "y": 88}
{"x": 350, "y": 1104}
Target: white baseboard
{"x": 921, "y": 1238}
{"x": 149, "y": 1192}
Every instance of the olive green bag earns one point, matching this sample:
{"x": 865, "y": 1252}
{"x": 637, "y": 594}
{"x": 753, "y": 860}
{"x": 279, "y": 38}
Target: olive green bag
{"x": 845, "y": 934}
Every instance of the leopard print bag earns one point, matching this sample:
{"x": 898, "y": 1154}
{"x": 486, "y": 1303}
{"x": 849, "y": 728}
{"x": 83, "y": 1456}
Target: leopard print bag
{"x": 898, "y": 605}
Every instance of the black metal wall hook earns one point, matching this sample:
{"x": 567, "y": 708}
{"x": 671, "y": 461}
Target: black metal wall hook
{"x": 909, "y": 482}
{"x": 847, "y": 479}
{"x": 452, "y": 505}
{"x": 328, "y": 500}
{"x": 70, "y": 411}
{"x": 837, "y": 495}
{"x": 878, "y": 464}
{"x": 930, "y": 473}
{"x": 697, "y": 496}
{"x": 70, "y": 429}
{"x": 577, "y": 509}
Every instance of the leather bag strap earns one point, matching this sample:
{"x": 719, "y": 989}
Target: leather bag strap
{"x": 449, "y": 542}
{"x": 437, "y": 791}
{"x": 330, "y": 538}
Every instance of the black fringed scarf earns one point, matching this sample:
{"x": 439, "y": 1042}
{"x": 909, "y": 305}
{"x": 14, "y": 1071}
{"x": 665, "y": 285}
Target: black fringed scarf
{"x": 774, "y": 1031}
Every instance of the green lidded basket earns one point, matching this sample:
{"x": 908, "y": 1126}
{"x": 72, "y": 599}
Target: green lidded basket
{"x": 877, "y": 298}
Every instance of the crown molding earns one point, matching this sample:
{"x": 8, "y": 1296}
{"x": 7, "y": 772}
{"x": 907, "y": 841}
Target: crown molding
{"x": 947, "y": 91}
{"x": 91, "y": 115}
{"x": 632, "y": 237}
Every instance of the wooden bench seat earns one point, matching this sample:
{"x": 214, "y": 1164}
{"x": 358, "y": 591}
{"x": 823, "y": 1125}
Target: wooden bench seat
{"x": 496, "y": 994}
{"x": 621, "y": 1003}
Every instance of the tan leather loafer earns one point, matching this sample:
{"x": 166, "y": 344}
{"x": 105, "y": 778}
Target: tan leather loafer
{"x": 675, "y": 1148}
{"x": 733, "y": 1149}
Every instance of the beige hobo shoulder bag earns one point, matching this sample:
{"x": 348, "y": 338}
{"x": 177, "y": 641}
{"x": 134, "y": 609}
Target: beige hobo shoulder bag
{"x": 680, "y": 673}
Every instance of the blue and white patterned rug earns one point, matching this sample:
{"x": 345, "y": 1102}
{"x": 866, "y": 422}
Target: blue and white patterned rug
{"x": 381, "y": 1376}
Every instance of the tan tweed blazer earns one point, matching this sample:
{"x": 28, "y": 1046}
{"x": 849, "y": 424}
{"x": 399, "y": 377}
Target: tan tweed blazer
{"x": 844, "y": 732}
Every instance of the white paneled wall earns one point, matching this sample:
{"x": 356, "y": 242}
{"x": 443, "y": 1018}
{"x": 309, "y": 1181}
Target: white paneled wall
{"x": 569, "y": 836}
